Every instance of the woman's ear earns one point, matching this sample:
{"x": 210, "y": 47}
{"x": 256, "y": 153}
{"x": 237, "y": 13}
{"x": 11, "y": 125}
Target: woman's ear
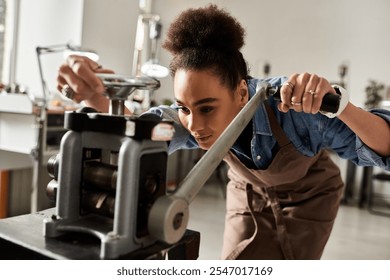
{"x": 243, "y": 93}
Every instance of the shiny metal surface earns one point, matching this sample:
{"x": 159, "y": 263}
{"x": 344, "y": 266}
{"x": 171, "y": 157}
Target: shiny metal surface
{"x": 120, "y": 87}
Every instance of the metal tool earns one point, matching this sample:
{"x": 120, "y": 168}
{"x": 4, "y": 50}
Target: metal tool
{"x": 120, "y": 87}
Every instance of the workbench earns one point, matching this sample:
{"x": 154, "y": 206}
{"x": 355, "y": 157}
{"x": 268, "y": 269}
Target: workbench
{"x": 21, "y": 238}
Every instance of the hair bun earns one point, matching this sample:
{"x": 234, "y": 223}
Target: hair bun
{"x": 207, "y": 27}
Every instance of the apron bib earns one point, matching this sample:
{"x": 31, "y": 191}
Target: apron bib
{"x": 284, "y": 212}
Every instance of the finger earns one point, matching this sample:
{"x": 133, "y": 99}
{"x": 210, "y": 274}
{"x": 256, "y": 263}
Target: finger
{"x": 60, "y": 83}
{"x": 65, "y": 89}
{"x": 84, "y": 68}
{"x": 82, "y": 90}
{"x": 287, "y": 90}
{"x": 297, "y": 95}
{"x": 297, "y": 105}
{"x": 73, "y": 59}
{"x": 323, "y": 87}
{"x": 283, "y": 107}
{"x": 104, "y": 71}
{"x": 67, "y": 76}
{"x": 309, "y": 94}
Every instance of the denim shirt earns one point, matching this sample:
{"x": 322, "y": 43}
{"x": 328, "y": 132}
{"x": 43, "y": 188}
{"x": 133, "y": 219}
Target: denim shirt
{"x": 309, "y": 134}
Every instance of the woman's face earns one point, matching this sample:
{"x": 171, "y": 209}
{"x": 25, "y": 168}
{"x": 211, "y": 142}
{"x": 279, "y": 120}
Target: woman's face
{"x": 205, "y": 106}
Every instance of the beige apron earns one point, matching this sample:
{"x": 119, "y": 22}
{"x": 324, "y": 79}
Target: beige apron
{"x": 284, "y": 212}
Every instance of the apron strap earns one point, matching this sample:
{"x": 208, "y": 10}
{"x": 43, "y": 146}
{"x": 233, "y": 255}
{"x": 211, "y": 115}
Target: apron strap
{"x": 281, "y": 229}
{"x": 277, "y": 130}
{"x": 244, "y": 243}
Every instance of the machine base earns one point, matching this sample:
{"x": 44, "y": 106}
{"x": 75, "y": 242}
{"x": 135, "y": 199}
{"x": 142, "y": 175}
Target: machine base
{"x": 21, "y": 239}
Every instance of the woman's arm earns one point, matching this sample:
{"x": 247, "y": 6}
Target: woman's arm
{"x": 370, "y": 128}
{"x": 304, "y": 92}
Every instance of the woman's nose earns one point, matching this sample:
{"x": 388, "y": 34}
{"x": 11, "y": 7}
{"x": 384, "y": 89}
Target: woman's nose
{"x": 194, "y": 123}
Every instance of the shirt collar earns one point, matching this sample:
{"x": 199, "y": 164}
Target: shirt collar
{"x": 261, "y": 124}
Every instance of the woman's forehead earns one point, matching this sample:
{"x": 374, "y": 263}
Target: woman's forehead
{"x": 196, "y": 83}
{"x": 198, "y": 87}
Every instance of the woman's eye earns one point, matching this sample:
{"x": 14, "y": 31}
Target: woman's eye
{"x": 206, "y": 109}
{"x": 184, "y": 109}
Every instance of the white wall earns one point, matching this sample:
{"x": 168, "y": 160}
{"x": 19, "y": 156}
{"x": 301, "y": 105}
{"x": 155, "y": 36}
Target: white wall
{"x": 44, "y": 23}
{"x": 307, "y": 35}
{"x": 109, "y": 28}
{"x": 294, "y": 36}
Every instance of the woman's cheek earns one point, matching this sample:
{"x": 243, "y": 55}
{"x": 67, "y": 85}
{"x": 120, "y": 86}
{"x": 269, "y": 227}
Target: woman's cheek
{"x": 183, "y": 121}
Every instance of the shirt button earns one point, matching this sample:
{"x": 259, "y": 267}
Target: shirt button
{"x": 258, "y": 157}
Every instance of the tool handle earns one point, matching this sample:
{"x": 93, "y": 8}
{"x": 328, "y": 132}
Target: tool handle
{"x": 330, "y": 102}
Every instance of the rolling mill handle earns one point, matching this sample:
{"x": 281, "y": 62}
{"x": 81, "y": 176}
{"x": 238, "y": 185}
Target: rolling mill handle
{"x": 169, "y": 215}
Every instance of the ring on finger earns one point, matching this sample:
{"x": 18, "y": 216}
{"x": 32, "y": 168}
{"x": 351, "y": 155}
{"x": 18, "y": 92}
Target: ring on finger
{"x": 67, "y": 91}
{"x": 312, "y": 92}
{"x": 296, "y": 103}
{"x": 289, "y": 84}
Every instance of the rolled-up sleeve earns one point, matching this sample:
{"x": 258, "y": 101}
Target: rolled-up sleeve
{"x": 349, "y": 146}
{"x": 366, "y": 155}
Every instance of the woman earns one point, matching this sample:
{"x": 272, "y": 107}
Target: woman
{"x": 284, "y": 190}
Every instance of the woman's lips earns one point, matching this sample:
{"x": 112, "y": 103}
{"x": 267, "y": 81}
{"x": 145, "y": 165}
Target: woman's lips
{"x": 202, "y": 139}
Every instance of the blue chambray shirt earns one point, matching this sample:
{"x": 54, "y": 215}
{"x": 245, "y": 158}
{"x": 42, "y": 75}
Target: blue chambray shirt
{"x": 309, "y": 133}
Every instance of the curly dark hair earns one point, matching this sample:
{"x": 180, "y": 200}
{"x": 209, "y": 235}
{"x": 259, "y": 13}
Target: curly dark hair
{"x": 208, "y": 38}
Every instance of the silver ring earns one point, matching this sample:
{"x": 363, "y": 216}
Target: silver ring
{"x": 289, "y": 84}
{"x": 67, "y": 91}
{"x": 312, "y": 92}
{"x": 296, "y": 103}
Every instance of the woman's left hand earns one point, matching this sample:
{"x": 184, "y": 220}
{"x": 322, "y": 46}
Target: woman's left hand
{"x": 304, "y": 92}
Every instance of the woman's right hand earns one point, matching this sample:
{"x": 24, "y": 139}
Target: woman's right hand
{"x": 79, "y": 74}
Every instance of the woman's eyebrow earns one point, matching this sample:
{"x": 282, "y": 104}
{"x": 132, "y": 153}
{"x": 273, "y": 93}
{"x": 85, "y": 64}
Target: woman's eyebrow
{"x": 199, "y": 102}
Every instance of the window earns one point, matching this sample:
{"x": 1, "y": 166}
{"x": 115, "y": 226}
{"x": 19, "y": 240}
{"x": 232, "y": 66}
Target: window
{"x": 2, "y": 31}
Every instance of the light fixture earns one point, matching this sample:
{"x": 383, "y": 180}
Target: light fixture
{"x": 152, "y": 69}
